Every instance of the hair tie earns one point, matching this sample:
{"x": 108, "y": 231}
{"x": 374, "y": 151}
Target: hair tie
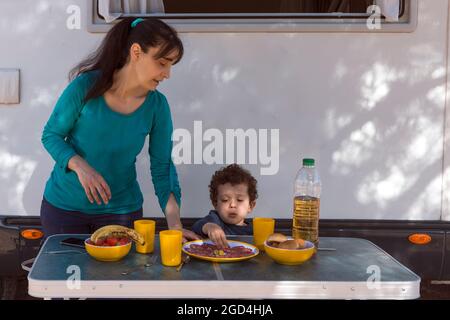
{"x": 136, "y": 22}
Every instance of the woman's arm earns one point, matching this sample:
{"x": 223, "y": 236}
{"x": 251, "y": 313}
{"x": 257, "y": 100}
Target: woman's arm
{"x": 58, "y": 127}
{"x": 173, "y": 219}
{"x": 173, "y": 214}
{"x": 163, "y": 171}
{"x": 61, "y": 122}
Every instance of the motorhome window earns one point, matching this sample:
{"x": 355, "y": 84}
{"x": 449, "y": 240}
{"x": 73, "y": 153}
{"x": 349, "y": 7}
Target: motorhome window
{"x": 262, "y": 15}
{"x": 246, "y": 9}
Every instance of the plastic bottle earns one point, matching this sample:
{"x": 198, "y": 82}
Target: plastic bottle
{"x": 307, "y": 188}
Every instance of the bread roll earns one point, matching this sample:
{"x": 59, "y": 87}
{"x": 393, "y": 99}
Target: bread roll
{"x": 273, "y": 244}
{"x": 276, "y": 237}
{"x": 288, "y": 244}
{"x": 300, "y": 243}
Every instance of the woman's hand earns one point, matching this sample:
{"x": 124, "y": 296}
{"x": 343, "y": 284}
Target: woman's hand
{"x": 174, "y": 222}
{"x": 216, "y": 234}
{"x": 189, "y": 235}
{"x": 93, "y": 183}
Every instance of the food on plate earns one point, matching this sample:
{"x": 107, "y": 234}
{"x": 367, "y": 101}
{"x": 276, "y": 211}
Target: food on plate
{"x": 219, "y": 253}
{"x": 278, "y": 240}
{"x": 114, "y": 235}
{"x": 211, "y": 250}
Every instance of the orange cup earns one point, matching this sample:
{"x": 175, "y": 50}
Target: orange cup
{"x": 170, "y": 243}
{"x": 262, "y": 229}
{"x": 147, "y": 229}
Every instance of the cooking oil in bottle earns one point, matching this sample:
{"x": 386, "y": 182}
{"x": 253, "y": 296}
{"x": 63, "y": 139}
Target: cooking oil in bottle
{"x": 305, "y": 223}
{"x": 306, "y": 211}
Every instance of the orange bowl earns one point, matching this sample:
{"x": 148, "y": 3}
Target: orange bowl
{"x": 112, "y": 253}
{"x": 290, "y": 256}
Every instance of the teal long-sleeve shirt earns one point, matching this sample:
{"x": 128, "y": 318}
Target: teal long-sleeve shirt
{"x": 109, "y": 141}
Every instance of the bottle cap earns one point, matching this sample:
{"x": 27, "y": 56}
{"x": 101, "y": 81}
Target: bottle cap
{"x": 308, "y": 162}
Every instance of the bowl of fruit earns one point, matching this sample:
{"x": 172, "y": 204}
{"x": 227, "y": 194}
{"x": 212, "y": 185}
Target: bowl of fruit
{"x": 112, "y": 243}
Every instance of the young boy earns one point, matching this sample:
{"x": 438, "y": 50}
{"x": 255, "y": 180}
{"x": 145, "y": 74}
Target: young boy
{"x": 233, "y": 194}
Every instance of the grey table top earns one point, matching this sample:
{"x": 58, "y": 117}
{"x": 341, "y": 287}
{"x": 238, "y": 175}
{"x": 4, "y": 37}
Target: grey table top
{"x": 348, "y": 272}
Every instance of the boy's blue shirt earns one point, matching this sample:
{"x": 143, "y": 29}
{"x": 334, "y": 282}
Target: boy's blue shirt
{"x": 229, "y": 229}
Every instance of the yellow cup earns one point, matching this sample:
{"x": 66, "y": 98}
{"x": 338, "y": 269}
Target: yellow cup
{"x": 170, "y": 243}
{"x": 262, "y": 229}
{"x": 147, "y": 229}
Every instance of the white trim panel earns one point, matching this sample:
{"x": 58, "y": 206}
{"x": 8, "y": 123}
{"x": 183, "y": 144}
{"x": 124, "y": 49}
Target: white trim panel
{"x": 225, "y": 290}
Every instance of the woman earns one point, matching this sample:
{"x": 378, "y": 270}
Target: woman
{"x": 99, "y": 126}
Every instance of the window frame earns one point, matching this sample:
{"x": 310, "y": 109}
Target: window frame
{"x": 330, "y": 22}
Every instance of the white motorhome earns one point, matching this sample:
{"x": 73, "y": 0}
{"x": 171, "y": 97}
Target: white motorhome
{"x": 362, "y": 86}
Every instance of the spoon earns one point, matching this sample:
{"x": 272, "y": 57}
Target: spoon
{"x": 185, "y": 260}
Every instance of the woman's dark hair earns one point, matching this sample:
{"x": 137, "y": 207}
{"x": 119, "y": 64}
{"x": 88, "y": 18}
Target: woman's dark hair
{"x": 233, "y": 174}
{"x": 113, "y": 53}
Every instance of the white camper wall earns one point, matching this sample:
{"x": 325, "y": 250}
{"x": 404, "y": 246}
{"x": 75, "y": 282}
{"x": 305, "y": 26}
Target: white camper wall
{"x": 446, "y": 160}
{"x": 369, "y": 108}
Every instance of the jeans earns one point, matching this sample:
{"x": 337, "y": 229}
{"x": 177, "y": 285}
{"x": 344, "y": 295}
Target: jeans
{"x": 57, "y": 221}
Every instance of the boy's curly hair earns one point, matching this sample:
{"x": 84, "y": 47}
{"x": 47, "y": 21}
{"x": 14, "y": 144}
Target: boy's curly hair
{"x": 233, "y": 174}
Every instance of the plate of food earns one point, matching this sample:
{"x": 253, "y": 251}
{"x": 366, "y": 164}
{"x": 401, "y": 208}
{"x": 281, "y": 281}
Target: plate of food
{"x": 207, "y": 250}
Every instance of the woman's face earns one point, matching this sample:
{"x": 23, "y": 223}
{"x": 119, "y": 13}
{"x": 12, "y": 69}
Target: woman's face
{"x": 149, "y": 70}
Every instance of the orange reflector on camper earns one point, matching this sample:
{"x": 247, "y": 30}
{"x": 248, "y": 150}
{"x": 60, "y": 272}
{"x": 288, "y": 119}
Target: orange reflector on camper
{"x": 32, "y": 234}
{"x": 419, "y": 238}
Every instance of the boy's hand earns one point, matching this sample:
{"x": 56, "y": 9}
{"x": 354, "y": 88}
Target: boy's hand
{"x": 216, "y": 234}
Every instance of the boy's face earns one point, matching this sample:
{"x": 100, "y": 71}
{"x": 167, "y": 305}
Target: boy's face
{"x": 233, "y": 203}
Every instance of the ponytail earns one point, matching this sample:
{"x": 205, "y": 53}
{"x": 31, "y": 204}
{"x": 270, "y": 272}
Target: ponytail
{"x": 113, "y": 52}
